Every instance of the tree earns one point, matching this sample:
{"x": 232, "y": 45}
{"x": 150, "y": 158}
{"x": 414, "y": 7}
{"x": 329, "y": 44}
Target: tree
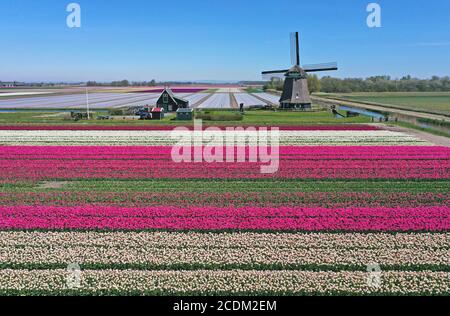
{"x": 314, "y": 84}
{"x": 274, "y": 84}
{"x": 123, "y": 83}
{"x": 384, "y": 84}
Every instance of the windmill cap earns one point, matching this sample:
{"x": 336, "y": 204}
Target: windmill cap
{"x": 296, "y": 70}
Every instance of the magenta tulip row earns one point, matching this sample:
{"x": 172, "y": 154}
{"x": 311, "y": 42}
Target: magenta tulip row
{"x": 355, "y": 127}
{"x": 294, "y": 152}
{"x": 213, "y": 218}
{"x": 40, "y": 163}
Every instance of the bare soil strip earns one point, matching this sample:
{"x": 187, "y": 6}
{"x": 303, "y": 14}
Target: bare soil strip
{"x": 233, "y": 101}
{"x": 52, "y": 184}
{"x": 263, "y": 100}
{"x": 197, "y": 104}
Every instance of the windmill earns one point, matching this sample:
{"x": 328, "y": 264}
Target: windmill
{"x": 295, "y": 92}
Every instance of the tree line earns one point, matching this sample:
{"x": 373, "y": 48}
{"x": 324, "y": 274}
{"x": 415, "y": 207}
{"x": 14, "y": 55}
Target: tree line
{"x": 126, "y": 83}
{"x": 371, "y": 84}
{"x": 35, "y": 84}
{"x": 122, "y": 83}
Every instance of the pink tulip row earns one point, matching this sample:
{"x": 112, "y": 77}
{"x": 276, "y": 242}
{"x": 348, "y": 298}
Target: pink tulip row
{"x": 286, "y": 152}
{"x": 213, "y": 218}
{"x": 343, "y": 127}
{"x": 156, "y": 162}
{"x": 131, "y": 169}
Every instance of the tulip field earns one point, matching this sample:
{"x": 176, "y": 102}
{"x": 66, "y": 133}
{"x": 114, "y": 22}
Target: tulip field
{"x": 112, "y": 201}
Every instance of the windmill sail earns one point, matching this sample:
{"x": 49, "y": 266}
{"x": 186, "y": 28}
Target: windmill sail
{"x": 295, "y": 49}
{"x": 269, "y": 75}
{"x": 321, "y": 67}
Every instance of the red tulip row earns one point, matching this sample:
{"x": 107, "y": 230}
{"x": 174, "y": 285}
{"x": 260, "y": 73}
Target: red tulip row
{"x": 156, "y": 162}
{"x": 215, "y": 218}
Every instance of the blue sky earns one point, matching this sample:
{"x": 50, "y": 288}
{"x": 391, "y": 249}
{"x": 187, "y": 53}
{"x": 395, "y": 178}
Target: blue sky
{"x": 218, "y": 40}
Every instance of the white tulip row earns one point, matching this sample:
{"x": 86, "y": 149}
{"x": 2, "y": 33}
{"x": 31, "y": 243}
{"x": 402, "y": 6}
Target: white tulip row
{"x": 226, "y": 239}
{"x": 168, "y": 249}
{"x": 221, "y": 256}
{"x": 168, "y": 138}
{"x": 236, "y": 281}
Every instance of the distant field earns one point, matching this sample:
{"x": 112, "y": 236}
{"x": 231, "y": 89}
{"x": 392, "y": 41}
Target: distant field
{"x": 426, "y": 102}
{"x": 254, "y": 90}
{"x": 250, "y": 118}
{"x": 293, "y": 118}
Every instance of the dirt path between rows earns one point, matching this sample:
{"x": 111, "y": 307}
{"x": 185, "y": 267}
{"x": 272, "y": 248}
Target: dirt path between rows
{"x": 263, "y": 100}
{"x": 52, "y": 184}
{"x": 197, "y": 104}
{"x": 233, "y": 101}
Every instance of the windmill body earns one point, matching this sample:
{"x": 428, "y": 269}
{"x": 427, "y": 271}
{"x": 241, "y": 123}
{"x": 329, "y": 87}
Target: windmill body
{"x": 295, "y": 92}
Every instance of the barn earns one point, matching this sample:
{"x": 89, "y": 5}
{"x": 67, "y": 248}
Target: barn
{"x": 171, "y": 103}
{"x": 185, "y": 114}
{"x": 157, "y": 113}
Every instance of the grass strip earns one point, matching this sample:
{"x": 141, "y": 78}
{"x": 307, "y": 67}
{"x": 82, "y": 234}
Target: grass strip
{"x": 231, "y": 185}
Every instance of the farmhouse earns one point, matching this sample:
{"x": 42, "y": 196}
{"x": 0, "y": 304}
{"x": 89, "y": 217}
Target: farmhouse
{"x": 6, "y": 85}
{"x": 171, "y": 103}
